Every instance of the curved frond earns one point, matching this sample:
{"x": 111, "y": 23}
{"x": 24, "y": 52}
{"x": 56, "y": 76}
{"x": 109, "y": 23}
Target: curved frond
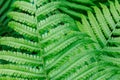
{"x": 111, "y": 50}
{"x": 27, "y": 19}
{"x": 20, "y": 58}
{"x": 114, "y": 11}
{"x": 104, "y": 74}
{"x": 20, "y": 71}
{"x": 25, "y": 6}
{"x": 56, "y": 33}
{"x": 59, "y": 50}
{"x": 108, "y": 17}
{"x": 115, "y": 41}
{"x": 23, "y": 29}
{"x": 63, "y": 43}
{"x": 55, "y": 20}
{"x": 112, "y": 60}
{"x": 116, "y": 32}
{"x": 96, "y": 29}
{"x": 47, "y": 8}
{"x": 65, "y": 69}
{"x": 117, "y": 5}
{"x": 102, "y": 22}
{"x": 19, "y": 43}
{"x": 101, "y": 27}
{"x": 86, "y": 71}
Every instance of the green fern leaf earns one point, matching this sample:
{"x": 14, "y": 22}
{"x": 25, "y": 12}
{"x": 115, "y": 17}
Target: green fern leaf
{"x": 11, "y": 78}
{"x": 23, "y": 29}
{"x": 40, "y": 33}
{"x": 105, "y": 74}
{"x": 20, "y": 58}
{"x": 19, "y": 43}
{"x": 59, "y": 50}
{"x": 27, "y": 19}
{"x": 112, "y": 60}
{"x": 19, "y": 71}
{"x": 25, "y": 6}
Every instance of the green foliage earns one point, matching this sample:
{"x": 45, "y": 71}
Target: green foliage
{"x": 53, "y": 45}
{"x": 4, "y": 9}
{"x": 104, "y": 28}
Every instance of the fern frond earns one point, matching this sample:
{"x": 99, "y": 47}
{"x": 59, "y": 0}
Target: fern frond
{"x": 41, "y": 2}
{"x": 77, "y": 60}
{"x": 64, "y": 56}
{"x": 54, "y": 5}
{"x": 117, "y": 6}
{"x": 104, "y": 74}
{"x": 112, "y": 60}
{"x": 20, "y": 71}
{"x": 73, "y": 42}
{"x": 55, "y": 20}
{"x": 83, "y": 72}
{"x": 23, "y": 29}
{"x": 101, "y": 27}
{"x": 56, "y": 33}
{"x": 85, "y": 26}
{"x": 25, "y": 6}
{"x": 47, "y": 8}
{"x": 114, "y": 12}
{"x": 96, "y": 29}
{"x": 115, "y": 77}
{"x": 108, "y": 16}
{"x": 20, "y": 58}
{"x": 86, "y": 71}
{"x": 115, "y": 41}
{"x": 111, "y": 50}
{"x": 11, "y": 78}
{"x": 62, "y": 52}
{"x": 116, "y": 32}
{"x": 70, "y": 39}
{"x": 19, "y": 43}
{"x": 27, "y": 19}
{"x": 102, "y": 22}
